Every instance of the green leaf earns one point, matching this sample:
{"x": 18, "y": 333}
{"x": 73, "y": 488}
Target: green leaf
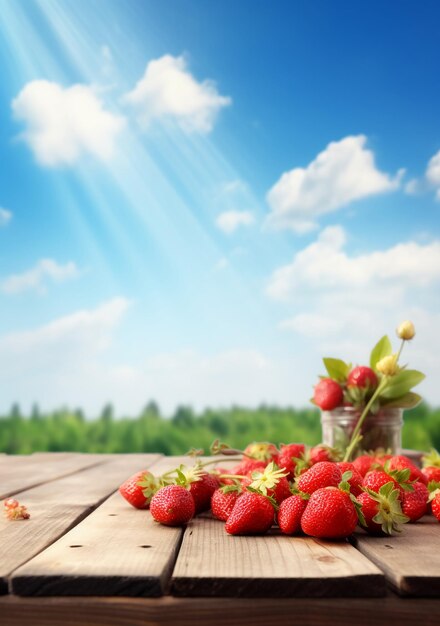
{"x": 381, "y": 349}
{"x": 337, "y": 369}
{"x": 408, "y": 401}
{"x": 401, "y": 383}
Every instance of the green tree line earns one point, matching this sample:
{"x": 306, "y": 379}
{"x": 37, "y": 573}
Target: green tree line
{"x": 66, "y": 430}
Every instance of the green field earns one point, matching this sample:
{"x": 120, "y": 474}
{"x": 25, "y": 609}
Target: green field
{"x": 66, "y": 430}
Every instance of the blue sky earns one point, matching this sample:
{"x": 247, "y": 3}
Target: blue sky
{"x": 199, "y": 200}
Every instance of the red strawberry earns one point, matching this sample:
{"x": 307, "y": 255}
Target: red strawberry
{"x": 364, "y": 463}
{"x": 355, "y": 481}
{"x": 401, "y": 462}
{"x": 431, "y": 466}
{"x": 246, "y": 466}
{"x": 382, "y": 510}
{"x": 329, "y": 513}
{"x": 222, "y": 502}
{"x": 202, "y": 490}
{"x": 323, "y": 453}
{"x": 172, "y": 505}
{"x": 362, "y": 377}
{"x": 252, "y": 514}
{"x": 328, "y": 394}
{"x": 376, "y": 479}
{"x": 290, "y": 513}
{"x": 415, "y": 503}
{"x": 435, "y": 503}
{"x": 288, "y": 455}
{"x": 323, "y": 474}
{"x": 432, "y": 473}
{"x": 262, "y": 451}
{"x": 139, "y": 489}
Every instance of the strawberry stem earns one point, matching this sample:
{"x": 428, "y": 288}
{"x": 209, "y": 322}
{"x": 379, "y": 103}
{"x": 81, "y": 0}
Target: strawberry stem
{"x": 356, "y": 436}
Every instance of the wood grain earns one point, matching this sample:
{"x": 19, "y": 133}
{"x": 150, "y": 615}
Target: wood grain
{"x": 56, "y": 506}
{"x": 411, "y": 560}
{"x": 18, "y": 473}
{"x": 169, "y": 611}
{"x": 116, "y": 550}
{"x": 213, "y": 563}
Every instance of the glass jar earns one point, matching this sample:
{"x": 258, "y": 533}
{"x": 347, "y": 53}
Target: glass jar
{"x": 383, "y": 430}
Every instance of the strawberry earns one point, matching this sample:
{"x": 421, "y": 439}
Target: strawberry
{"x": 328, "y": 394}
{"x": 139, "y": 489}
{"x": 322, "y": 452}
{"x": 288, "y": 456}
{"x": 202, "y": 490}
{"x": 172, "y": 505}
{"x": 355, "y": 481}
{"x": 377, "y": 478}
{"x": 431, "y": 474}
{"x": 434, "y": 498}
{"x": 322, "y": 474}
{"x": 415, "y": 503}
{"x": 270, "y": 482}
{"x": 246, "y": 466}
{"x": 329, "y": 513}
{"x": 290, "y": 513}
{"x": 401, "y": 462}
{"x": 382, "y": 510}
{"x": 435, "y": 503}
{"x": 431, "y": 466}
{"x": 223, "y": 501}
{"x": 252, "y": 514}
{"x": 362, "y": 377}
{"x": 262, "y": 451}
{"x": 364, "y": 463}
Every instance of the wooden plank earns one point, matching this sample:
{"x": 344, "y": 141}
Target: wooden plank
{"x": 18, "y": 473}
{"x": 213, "y": 563}
{"x": 116, "y": 550}
{"x": 169, "y": 611}
{"x": 56, "y": 506}
{"x": 411, "y": 560}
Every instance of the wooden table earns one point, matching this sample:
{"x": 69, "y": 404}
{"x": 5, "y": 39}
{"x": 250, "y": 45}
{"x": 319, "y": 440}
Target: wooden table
{"x": 86, "y": 557}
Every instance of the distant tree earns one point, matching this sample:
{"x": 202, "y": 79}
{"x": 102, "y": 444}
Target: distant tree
{"x": 184, "y": 417}
{"x": 107, "y": 413}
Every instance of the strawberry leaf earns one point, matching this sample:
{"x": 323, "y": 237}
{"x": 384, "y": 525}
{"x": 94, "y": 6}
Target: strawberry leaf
{"x": 381, "y": 349}
{"x": 402, "y": 383}
{"x": 337, "y": 369}
{"x": 407, "y": 401}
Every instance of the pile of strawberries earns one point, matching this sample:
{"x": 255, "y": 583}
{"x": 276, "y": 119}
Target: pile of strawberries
{"x": 301, "y": 490}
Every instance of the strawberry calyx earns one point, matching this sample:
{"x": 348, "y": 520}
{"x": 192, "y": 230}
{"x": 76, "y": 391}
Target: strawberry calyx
{"x": 401, "y": 477}
{"x": 434, "y": 489}
{"x": 389, "y": 515}
{"x": 271, "y": 499}
{"x": 149, "y": 485}
{"x": 432, "y": 459}
{"x": 297, "y": 492}
{"x": 267, "y": 479}
{"x": 230, "y": 488}
{"x": 345, "y": 486}
{"x": 187, "y": 475}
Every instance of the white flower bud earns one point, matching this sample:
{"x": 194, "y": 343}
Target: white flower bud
{"x": 406, "y": 330}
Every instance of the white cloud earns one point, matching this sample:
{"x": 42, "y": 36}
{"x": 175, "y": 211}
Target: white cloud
{"x": 229, "y": 221}
{"x": 168, "y": 90}
{"x": 221, "y": 264}
{"x": 345, "y": 171}
{"x": 433, "y": 173}
{"x": 63, "y": 123}
{"x": 55, "y": 364}
{"x": 325, "y": 266}
{"x": 37, "y": 277}
{"x": 5, "y": 216}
